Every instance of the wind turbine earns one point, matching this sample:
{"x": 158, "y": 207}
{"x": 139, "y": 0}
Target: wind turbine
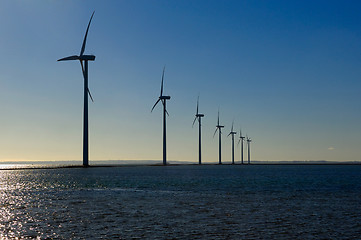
{"x": 249, "y": 149}
{"x": 199, "y": 117}
{"x": 232, "y": 133}
{"x": 219, "y": 128}
{"x": 241, "y": 139}
{"x": 84, "y": 66}
{"x": 163, "y": 99}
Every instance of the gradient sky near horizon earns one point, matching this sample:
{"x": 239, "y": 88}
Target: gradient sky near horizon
{"x": 287, "y": 72}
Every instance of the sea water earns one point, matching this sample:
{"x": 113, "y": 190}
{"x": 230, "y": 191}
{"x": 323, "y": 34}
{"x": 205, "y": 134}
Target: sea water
{"x": 184, "y": 202}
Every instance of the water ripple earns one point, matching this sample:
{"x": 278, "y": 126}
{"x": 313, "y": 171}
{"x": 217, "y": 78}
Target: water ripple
{"x": 187, "y": 202}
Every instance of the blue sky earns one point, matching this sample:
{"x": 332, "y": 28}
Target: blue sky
{"x": 288, "y": 72}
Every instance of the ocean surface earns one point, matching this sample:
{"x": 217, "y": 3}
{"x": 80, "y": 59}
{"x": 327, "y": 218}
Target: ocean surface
{"x": 182, "y": 202}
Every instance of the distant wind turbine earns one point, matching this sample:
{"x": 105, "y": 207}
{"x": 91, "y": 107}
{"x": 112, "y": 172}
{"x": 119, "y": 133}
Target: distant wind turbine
{"x": 241, "y": 139}
{"x": 163, "y": 99}
{"x": 232, "y": 133}
{"x": 84, "y": 66}
{"x": 219, "y": 128}
{"x": 249, "y": 149}
{"x": 199, "y": 117}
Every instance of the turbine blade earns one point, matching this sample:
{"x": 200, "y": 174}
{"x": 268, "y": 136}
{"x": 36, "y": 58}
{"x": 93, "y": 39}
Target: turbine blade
{"x": 229, "y": 134}
{"x": 82, "y": 68}
{"x": 232, "y": 127}
{"x": 239, "y": 140}
{"x": 163, "y": 102}
{"x": 194, "y": 121}
{"x": 74, "y": 57}
{"x": 197, "y": 103}
{"x": 90, "y": 95}
{"x": 155, "y": 105}
{"x": 161, "y": 87}
{"x": 215, "y": 132}
{"x": 86, "y": 35}
{"x": 218, "y": 118}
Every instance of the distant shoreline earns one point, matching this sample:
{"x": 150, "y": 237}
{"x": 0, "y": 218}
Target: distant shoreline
{"x": 38, "y": 166}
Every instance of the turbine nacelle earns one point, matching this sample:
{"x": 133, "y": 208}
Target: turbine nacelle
{"x": 199, "y": 115}
{"x": 80, "y": 58}
{"x": 164, "y": 97}
{"x": 87, "y": 57}
{"x": 218, "y": 128}
{"x": 241, "y": 139}
{"x": 232, "y": 133}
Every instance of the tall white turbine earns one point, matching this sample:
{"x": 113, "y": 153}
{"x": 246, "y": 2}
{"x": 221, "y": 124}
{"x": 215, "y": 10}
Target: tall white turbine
{"x": 241, "y": 140}
{"x": 219, "y": 128}
{"x": 163, "y": 99}
{"x": 84, "y": 66}
{"x": 232, "y": 133}
{"x": 199, "y": 117}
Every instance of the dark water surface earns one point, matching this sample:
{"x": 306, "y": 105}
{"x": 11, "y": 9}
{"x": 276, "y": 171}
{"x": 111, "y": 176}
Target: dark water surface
{"x": 185, "y": 202}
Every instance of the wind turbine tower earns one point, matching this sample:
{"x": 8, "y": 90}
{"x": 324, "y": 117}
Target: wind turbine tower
{"x": 219, "y": 128}
{"x": 163, "y": 99}
{"x": 232, "y": 133}
{"x": 249, "y": 149}
{"x": 199, "y": 117}
{"x": 241, "y": 139}
{"x": 84, "y": 66}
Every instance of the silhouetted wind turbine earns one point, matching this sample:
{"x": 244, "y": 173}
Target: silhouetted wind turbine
{"x": 249, "y": 149}
{"x": 232, "y": 133}
{"x": 219, "y": 128}
{"x": 241, "y": 139}
{"x": 199, "y": 117}
{"x": 84, "y": 66}
{"x": 163, "y": 99}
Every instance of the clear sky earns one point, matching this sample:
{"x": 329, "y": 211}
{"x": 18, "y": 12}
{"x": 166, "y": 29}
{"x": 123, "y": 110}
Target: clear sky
{"x": 287, "y": 72}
